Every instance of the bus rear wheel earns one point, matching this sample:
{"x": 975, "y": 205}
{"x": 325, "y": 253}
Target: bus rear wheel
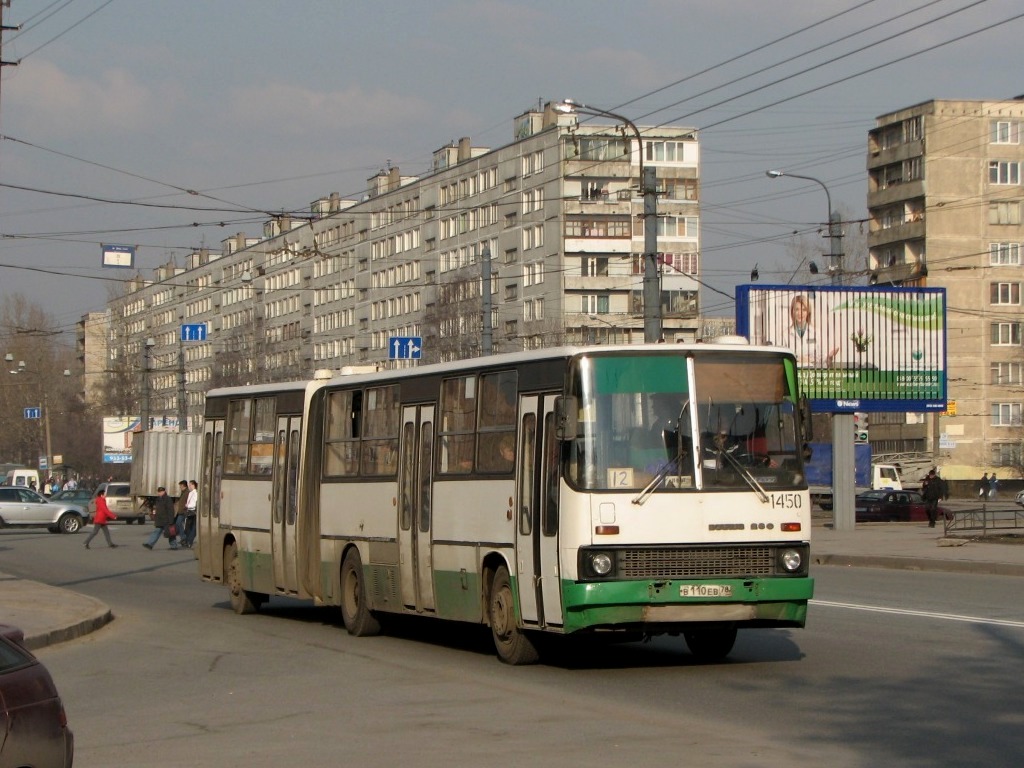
{"x": 513, "y": 645}
{"x": 711, "y": 644}
{"x": 359, "y": 619}
{"x": 242, "y": 600}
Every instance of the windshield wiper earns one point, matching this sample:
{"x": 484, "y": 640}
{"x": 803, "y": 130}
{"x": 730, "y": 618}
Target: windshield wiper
{"x": 666, "y": 470}
{"x": 743, "y": 472}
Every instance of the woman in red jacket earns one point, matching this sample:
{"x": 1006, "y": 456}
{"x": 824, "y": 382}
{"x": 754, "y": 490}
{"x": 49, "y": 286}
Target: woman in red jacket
{"x": 102, "y": 517}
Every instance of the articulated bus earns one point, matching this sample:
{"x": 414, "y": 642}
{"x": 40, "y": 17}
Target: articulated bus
{"x": 643, "y": 489}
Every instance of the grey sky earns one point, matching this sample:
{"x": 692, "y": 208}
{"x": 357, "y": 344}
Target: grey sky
{"x": 268, "y": 105}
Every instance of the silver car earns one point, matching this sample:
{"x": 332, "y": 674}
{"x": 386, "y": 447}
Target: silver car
{"x": 24, "y": 507}
{"x": 121, "y": 502}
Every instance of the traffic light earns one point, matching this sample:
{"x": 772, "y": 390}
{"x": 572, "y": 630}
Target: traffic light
{"x": 860, "y": 427}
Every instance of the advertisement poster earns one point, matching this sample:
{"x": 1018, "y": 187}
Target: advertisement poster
{"x": 858, "y": 348}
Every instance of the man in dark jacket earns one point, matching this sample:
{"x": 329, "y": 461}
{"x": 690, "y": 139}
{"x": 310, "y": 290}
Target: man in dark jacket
{"x": 163, "y": 516}
{"x": 932, "y": 489}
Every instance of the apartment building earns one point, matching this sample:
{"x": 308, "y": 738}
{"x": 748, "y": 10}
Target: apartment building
{"x": 944, "y": 198}
{"x": 549, "y": 225}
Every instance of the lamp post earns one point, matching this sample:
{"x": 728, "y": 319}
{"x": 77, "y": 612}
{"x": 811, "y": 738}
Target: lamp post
{"x": 648, "y": 190}
{"x": 843, "y": 480}
{"x": 147, "y": 348}
{"x": 835, "y": 232}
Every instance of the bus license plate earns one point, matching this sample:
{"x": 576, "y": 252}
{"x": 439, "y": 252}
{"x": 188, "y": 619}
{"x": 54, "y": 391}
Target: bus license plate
{"x": 705, "y": 590}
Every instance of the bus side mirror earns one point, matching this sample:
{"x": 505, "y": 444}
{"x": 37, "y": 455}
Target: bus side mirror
{"x": 566, "y": 417}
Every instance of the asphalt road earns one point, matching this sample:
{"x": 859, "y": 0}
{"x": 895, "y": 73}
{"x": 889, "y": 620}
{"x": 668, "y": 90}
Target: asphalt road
{"x": 895, "y": 668}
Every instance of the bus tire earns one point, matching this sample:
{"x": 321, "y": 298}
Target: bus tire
{"x": 512, "y": 643}
{"x": 359, "y": 619}
{"x": 712, "y": 643}
{"x": 242, "y": 601}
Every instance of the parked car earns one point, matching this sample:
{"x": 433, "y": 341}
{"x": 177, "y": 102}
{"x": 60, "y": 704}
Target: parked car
{"x": 121, "y": 503}
{"x": 23, "y": 506}
{"x": 79, "y": 496}
{"x": 33, "y": 724}
{"x": 891, "y": 506}
{"x": 1020, "y": 498}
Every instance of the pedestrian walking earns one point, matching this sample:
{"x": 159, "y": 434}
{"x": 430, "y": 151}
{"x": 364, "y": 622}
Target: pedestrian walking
{"x": 179, "y": 510}
{"x": 163, "y": 519}
{"x": 191, "y": 506}
{"x": 100, "y": 520}
{"x": 983, "y": 487}
{"x": 993, "y": 486}
{"x": 931, "y": 490}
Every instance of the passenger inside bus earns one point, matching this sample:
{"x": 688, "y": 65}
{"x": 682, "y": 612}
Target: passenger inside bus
{"x": 654, "y": 444}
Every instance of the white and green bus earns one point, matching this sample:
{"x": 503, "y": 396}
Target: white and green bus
{"x": 645, "y": 489}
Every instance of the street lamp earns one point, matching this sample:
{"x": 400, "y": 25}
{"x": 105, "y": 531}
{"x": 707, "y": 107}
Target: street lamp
{"x": 835, "y": 233}
{"x": 648, "y": 190}
{"x": 843, "y": 480}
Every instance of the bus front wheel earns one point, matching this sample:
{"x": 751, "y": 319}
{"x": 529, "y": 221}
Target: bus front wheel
{"x": 712, "y": 644}
{"x": 359, "y": 619}
{"x": 242, "y": 600}
{"x": 511, "y": 642}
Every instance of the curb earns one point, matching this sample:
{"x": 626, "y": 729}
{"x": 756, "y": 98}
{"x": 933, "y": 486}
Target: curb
{"x": 921, "y": 564}
{"x": 62, "y": 634}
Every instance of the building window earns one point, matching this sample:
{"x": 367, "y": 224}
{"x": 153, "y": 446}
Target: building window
{"x": 594, "y": 266}
{"x": 596, "y": 148}
{"x": 1004, "y": 254}
{"x": 1003, "y": 172}
{"x": 913, "y": 129}
{"x": 1005, "y": 334}
{"x": 1005, "y": 212}
{"x": 533, "y": 309}
{"x": 1006, "y": 374}
{"x": 679, "y": 189}
{"x": 665, "y": 151}
{"x": 597, "y": 228}
{"x": 1006, "y": 454}
{"x": 1006, "y": 414}
{"x": 594, "y": 304}
{"x": 533, "y": 273}
{"x": 1005, "y": 293}
{"x": 1005, "y": 132}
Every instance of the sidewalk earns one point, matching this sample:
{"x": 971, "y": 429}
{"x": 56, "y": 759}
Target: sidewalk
{"x": 48, "y": 615}
{"x": 52, "y": 615}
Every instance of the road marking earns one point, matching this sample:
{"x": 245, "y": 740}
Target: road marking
{"x": 927, "y": 614}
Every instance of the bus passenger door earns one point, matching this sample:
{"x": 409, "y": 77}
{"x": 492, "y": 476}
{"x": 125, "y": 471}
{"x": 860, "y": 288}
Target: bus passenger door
{"x": 284, "y": 503}
{"x": 528, "y": 572}
{"x": 415, "y": 507}
{"x": 208, "y": 515}
{"x": 548, "y": 482}
{"x": 540, "y": 592}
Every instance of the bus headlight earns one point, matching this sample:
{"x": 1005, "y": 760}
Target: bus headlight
{"x": 601, "y": 563}
{"x": 792, "y": 560}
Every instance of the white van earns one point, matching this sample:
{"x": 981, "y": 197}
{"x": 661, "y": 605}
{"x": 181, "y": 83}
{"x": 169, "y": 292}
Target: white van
{"x": 26, "y": 478}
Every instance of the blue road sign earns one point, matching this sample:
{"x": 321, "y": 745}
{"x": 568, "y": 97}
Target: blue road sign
{"x": 405, "y": 347}
{"x": 34, "y": 413}
{"x": 196, "y": 332}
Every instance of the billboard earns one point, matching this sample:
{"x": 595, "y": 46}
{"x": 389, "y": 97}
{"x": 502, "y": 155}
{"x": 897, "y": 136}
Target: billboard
{"x": 117, "y": 438}
{"x": 859, "y": 348}
{"x": 118, "y": 431}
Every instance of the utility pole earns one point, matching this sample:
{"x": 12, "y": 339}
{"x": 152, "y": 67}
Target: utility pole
{"x": 487, "y": 333}
{"x": 5, "y": 28}
{"x": 652, "y": 280}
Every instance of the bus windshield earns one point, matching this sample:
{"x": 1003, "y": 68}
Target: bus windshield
{"x": 668, "y": 422}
